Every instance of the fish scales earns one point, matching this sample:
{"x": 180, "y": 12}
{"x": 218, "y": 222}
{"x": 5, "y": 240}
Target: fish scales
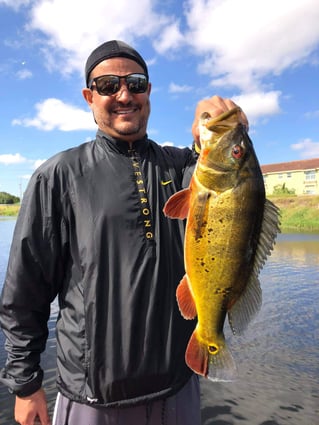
{"x": 230, "y": 230}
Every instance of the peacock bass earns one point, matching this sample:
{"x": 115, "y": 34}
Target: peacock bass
{"x": 231, "y": 228}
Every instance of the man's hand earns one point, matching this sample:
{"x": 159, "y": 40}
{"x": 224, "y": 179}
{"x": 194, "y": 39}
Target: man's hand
{"x": 32, "y": 410}
{"x": 214, "y": 106}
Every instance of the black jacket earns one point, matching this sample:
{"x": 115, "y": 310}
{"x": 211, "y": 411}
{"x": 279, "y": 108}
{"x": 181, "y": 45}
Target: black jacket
{"x": 91, "y": 230}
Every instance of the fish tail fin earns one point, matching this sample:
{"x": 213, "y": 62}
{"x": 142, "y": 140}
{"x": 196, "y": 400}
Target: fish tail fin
{"x": 196, "y": 355}
{"x": 222, "y": 366}
{"x": 214, "y": 362}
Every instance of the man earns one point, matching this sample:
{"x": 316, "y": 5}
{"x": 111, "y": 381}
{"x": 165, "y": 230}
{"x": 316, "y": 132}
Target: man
{"x": 91, "y": 231}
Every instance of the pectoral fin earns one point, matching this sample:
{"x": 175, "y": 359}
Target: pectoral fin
{"x": 178, "y": 205}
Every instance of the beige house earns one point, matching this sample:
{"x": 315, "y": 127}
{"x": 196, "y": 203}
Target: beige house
{"x": 299, "y": 177}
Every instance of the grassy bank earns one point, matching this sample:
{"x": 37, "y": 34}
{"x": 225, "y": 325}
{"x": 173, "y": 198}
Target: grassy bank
{"x": 9, "y": 210}
{"x": 298, "y": 213}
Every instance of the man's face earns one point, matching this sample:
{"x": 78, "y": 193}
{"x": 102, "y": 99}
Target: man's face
{"x": 122, "y": 115}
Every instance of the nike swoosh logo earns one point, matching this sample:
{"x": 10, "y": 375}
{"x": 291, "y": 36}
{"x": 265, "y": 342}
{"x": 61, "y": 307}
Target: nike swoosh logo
{"x": 165, "y": 183}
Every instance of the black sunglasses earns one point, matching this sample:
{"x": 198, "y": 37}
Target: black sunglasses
{"x": 106, "y": 85}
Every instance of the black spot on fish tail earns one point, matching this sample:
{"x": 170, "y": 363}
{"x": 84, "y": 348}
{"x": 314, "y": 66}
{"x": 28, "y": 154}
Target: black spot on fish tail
{"x": 213, "y": 349}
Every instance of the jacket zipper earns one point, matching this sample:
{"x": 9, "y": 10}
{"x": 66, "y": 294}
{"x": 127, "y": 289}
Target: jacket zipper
{"x": 146, "y": 213}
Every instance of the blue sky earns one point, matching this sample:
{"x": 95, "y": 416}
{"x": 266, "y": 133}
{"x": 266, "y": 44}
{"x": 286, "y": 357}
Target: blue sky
{"x": 262, "y": 54}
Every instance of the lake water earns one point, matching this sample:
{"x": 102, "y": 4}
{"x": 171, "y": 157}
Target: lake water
{"x": 277, "y": 357}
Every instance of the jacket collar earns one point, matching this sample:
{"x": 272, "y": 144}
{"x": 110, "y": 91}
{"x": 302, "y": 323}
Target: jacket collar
{"x": 121, "y": 146}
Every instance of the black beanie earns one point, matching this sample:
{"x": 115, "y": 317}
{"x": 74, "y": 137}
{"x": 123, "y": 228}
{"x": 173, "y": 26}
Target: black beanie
{"x": 112, "y": 49}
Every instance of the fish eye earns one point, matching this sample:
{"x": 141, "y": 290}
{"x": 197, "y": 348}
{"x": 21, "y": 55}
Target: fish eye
{"x": 237, "y": 152}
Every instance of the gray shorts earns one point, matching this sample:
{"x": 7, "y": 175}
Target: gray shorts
{"x": 181, "y": 409}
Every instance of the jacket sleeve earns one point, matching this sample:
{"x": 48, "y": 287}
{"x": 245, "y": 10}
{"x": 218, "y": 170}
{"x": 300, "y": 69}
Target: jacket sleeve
{"x": 35, "y": 272}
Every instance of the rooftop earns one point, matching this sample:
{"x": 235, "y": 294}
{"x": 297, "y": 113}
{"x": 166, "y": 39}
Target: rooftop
{"x": 304, "y": 164}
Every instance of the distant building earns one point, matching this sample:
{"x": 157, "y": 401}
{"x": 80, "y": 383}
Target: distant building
{"x": 299, "y": 177}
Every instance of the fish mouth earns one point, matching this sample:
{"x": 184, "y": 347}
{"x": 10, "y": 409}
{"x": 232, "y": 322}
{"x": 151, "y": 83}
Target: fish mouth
{"x": 229, "y": 118}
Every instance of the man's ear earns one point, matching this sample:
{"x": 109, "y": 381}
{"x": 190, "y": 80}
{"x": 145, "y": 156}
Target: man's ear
{"x": 88, "y": 96}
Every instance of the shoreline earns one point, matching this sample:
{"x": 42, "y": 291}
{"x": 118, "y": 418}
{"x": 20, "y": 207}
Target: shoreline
{"x": 298, "y": 213}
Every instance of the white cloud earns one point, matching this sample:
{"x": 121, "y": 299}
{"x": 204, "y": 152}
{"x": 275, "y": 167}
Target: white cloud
{"x": 38, "y": 162}
{"x": 125, "y": 20}
{"x": 236, "y": 48}
{"x": 308, "y": 148}
{"x": 26, "y": 176}
{"x": 168, "y": 143}
{"x": 24, "y": 74}
{"x": 238, "y": 43}
{"x": 170, "y": 38}
{"x": 312, "y": 114}
{"x": 259, "y": 104}
{"x": 175, "y": 88}
{"x": 15, "y": 4}
{"x": 54, "y": 114}
{"x": 151, "y": 62}
{"x": 152, "y": 132}
{"x": 243, "y": 41}
{"x": 9, "y": 159}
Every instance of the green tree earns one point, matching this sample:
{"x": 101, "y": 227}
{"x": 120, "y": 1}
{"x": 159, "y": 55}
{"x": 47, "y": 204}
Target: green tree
{"x": 6, "y": 198}
{"x": 281, "y": 189}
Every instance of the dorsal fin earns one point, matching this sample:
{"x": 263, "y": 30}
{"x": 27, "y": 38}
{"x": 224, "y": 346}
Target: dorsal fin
{"x": 246, "y": 307}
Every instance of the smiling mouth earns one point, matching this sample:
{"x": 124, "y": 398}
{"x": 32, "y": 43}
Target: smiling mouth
{"x": 125, "y": 110}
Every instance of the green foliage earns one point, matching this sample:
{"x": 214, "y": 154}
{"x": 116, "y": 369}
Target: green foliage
{"x": 281, "y": 189}
{"x": 6, "y": 198}
{"x": 298, "y": 213}
{"x": 300, "y": 219}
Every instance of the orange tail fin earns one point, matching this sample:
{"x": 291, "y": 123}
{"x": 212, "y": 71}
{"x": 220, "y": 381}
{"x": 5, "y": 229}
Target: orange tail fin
{"x": 197, "y": 356}
{"x": 219, "y": 366}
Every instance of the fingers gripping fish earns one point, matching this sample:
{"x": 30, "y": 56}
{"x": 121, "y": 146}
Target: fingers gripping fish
{"x": 231, "y": 228}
